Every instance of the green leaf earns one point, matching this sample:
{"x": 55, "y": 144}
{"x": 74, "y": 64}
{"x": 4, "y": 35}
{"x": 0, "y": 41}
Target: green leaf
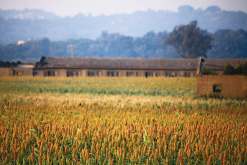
{"x": 33, "y": 130}
{"x": 181, "y": 126}
{"x": 145, "y": 137}
{"x": 36, "y": 155}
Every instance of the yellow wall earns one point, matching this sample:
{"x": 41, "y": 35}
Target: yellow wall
{"x": 24, "y": 71}
{"x": 231, "y": 86}
{"x": 21, "y": 71}
{"x": 5, "y": 72}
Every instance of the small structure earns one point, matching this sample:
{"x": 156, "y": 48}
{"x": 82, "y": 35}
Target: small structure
{"x": 16, "y": 69}
{"x": 230, "y": 86}
{"x": 21, "y": 42}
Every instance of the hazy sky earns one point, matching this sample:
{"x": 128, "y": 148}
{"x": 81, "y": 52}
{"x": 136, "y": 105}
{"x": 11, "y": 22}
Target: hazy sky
{"x": 107, "y": 7}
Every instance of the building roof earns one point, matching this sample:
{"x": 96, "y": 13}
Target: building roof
{"x": 220, "y": 63}
{"x": 131, "y": 63}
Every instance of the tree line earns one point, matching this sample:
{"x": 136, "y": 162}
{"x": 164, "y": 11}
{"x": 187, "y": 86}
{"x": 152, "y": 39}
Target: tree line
{"x": 196, "y": 42}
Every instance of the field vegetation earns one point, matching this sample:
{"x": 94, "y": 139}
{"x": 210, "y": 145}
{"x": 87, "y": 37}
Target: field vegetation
{"x": 118, "y": 121}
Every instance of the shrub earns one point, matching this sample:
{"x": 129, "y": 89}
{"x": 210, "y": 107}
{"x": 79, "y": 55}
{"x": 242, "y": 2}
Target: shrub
{"x": 206, "y": 71}
{"x": 241, "y": 69}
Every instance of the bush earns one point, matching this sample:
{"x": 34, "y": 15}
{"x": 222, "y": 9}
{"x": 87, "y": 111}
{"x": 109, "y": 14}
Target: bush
{"x": 241, "y": 69}
{"x": 206, "y": 71}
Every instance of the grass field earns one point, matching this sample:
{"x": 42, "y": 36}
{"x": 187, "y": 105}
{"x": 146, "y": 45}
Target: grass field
{"x": 118, "y": 121}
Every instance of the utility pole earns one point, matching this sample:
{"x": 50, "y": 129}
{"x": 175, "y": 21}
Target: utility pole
{"x": 227, "y": 52}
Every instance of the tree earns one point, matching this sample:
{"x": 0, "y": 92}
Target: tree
{"x": 235, "y": 41}
{"x": 190, "y": 41}
{"x": 241, "y": 69}
{"x": 206, "y": 71}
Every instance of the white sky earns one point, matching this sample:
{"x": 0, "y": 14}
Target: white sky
{"x": 107, "y": 7}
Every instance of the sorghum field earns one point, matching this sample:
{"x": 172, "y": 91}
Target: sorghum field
{"x": 118, "y": 121}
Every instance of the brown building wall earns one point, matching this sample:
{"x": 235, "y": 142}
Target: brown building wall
{"x": 16, "y": 72}
{"x": 5, "y": 72}
{"x": 234, "y": 87}
{"x": 24, "y": 71}
{"x": 61, "y": 72}
{"x": 40, "y": 73}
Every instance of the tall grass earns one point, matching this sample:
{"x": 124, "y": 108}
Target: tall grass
{"x": 111, "y": 134}
{"x": 176, "y": 87}
{"x": 134, "y": 121}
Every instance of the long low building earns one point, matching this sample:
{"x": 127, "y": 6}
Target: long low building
{"x": 126, "y": 67}
{"x": 115, "y": 67}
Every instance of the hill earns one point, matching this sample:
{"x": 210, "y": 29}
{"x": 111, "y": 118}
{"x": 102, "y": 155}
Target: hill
{"x": 37, "y": 24}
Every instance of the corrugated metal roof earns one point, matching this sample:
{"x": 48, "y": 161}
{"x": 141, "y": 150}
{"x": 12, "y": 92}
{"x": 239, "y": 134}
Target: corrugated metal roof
{"x": 131, "y": 63}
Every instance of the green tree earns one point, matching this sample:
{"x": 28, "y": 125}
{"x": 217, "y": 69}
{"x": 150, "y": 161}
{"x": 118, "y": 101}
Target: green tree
{"x": 235, "y": 41}
{"x": 190, "y": 41}
{"x": 206, "y": 71}
{"x": 229, "y": 70}
{"x": 241, "y": 69}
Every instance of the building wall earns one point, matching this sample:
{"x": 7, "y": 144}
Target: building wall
{"x": 5, "y": 72}
{"x": 121, "y": 73}
{"x": 23, "y": 71}
{"x": 40, "y": 73}
{"x": 102, "y": 72}
{"x": 16, "y": 72}
{"x": 61, "y": 72}
{"x": 234, "y": 87}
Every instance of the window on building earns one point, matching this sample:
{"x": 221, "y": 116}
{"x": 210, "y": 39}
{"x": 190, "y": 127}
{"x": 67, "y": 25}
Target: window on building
{"x": 72, "y": 73}
{"x": 217, "y": 88}
{"x": 149, "y": 74}
{"x": 113, "y": 74}
{"x": 194, "y": 74}
{"x": 175, "y": 74}
{"x": 15, "y": 73}
{"x": 186, "y": 74}
{"x": 130, "y": 74}
{"x": 156, "y": 74}
{"x": 35, "y": 73}
{"x": 49, "y": 73}
{"x": 93, "y": 73}
{"x": 168, "y": 74}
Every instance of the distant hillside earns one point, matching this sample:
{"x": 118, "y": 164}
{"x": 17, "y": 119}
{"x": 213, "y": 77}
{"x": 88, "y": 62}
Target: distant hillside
{"x": 32, "y": 14}
{"x": 37, "y": 24}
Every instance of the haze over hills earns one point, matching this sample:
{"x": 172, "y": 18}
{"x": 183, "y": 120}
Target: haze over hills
{"x": 37, "y": 24}
{"x": 31, "y": 14}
